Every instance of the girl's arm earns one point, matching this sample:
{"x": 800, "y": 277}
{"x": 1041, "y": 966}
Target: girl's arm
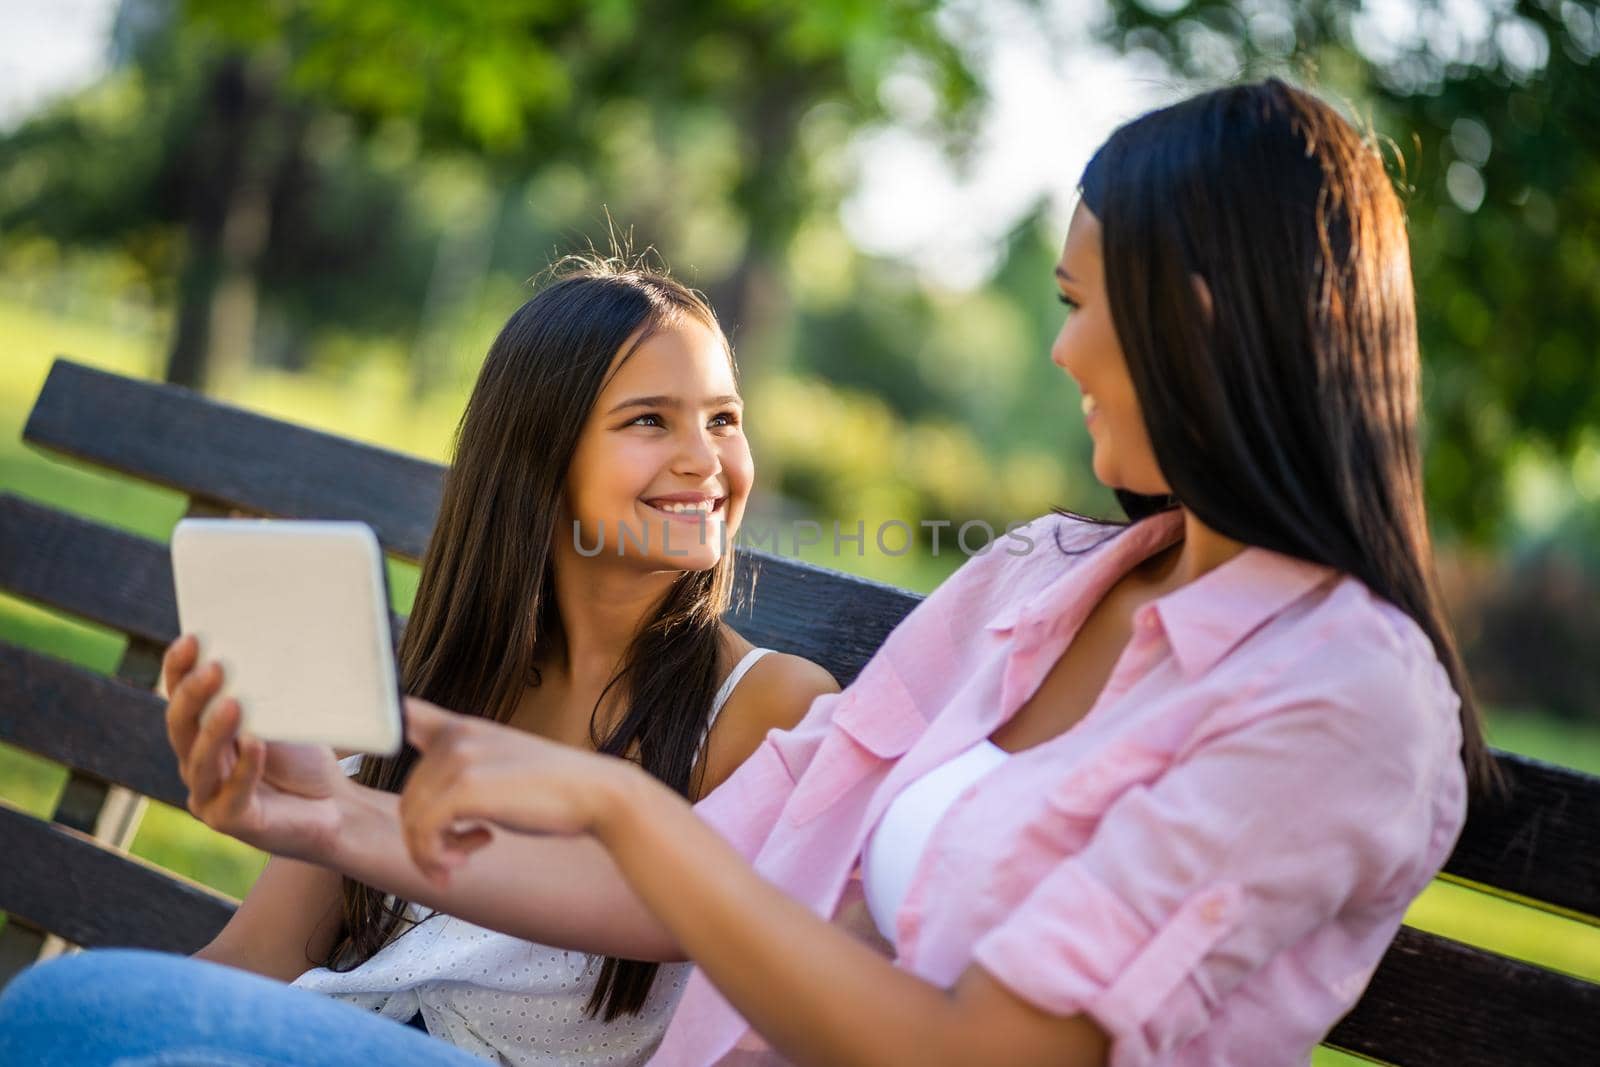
{"x": 775, "y": 695}
{"x": 286, "y": 925}
{"x": 289, "y": 919}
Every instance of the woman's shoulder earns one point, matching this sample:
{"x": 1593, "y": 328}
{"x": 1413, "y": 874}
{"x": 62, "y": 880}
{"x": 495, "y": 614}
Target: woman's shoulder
{"x": 1365, "y": 661}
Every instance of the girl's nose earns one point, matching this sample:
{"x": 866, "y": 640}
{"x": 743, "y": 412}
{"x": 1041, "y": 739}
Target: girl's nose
{"x": 697, "y": 453}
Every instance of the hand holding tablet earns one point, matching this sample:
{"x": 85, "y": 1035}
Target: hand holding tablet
{"x": 297, "y": 614}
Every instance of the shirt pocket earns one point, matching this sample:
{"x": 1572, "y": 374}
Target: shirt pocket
{"x": 875, "y": 723}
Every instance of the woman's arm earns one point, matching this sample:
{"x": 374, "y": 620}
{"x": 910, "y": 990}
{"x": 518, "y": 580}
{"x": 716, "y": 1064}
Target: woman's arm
{"x": 567, "y": 891}
{"x": 815, "y": 992}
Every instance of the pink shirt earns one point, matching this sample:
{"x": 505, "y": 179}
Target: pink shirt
{"x": 1210, "y": 864}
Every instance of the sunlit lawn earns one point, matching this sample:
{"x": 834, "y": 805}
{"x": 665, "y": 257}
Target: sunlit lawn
{"x": 374, "y": 407}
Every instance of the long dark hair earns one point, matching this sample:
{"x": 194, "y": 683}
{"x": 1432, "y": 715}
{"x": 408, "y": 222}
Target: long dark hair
{"x": 485, "y": 605}
{"x": 1287, "y": 416}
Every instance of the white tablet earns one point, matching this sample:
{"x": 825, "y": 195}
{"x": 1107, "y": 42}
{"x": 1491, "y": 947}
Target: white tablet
{"x": 297, "y": 614}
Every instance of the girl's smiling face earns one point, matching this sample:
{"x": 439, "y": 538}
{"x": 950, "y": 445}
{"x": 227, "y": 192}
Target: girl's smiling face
{"x": 663, "y": 454}
{"x": 1087, "y": 349}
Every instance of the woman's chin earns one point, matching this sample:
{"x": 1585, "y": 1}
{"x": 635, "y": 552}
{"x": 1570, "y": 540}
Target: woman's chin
{"x": 1105, "y": 473}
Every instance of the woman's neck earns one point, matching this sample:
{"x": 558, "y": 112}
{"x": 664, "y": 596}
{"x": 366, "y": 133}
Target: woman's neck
{"x": 1197, "y": 552}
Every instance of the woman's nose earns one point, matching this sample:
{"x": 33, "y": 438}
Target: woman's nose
{"x": 1058, "y": 350}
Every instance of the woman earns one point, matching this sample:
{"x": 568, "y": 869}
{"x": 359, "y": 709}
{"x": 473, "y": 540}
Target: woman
{"x": 1150, "y": 795}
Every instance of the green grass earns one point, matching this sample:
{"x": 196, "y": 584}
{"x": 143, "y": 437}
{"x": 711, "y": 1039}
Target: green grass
{"x": 372, "y": 405}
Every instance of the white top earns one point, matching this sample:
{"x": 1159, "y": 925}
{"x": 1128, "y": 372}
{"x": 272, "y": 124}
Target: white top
{"x": 895, "y": 846}
{"x": 508, "y": 1001}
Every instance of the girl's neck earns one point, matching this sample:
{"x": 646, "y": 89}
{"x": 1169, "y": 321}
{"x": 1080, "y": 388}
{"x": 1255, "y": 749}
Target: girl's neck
{"x": 602, "y": 604}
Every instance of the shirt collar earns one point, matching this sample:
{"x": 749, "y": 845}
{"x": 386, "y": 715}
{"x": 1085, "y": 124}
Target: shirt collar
{"x": 1089, "y": 573}
{"x": 1207, "y": 618}
{"x": 1203, "y": 621}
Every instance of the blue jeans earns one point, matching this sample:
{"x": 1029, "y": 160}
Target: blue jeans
{"x": 149, "y": 1009}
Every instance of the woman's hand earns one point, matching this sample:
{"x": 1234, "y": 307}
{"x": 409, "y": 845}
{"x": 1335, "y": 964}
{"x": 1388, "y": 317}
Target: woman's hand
{"x": 475, "y": 774}
{"x": 277, "y": 797}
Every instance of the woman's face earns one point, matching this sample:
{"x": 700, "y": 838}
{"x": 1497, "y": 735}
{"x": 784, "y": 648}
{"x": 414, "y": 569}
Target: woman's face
{"x": 663, "y": 455}
{"x": 1088, "y": 350}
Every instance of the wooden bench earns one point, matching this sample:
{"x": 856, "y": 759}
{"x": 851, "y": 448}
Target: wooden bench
{"x": 69, "y": 881}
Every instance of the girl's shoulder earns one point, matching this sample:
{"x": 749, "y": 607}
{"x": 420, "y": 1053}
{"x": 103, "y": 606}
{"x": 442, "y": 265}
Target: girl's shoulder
{"x": 774, "y": 688}
{"x": 774, "y": 693}
{"x": 777, "y": 669}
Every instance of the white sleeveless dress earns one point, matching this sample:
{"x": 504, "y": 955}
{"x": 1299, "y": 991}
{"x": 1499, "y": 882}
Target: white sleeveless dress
{"x": 508, "y": 1001}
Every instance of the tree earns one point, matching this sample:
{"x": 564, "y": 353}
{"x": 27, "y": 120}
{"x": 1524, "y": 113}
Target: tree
{"x": 519, "y": 89}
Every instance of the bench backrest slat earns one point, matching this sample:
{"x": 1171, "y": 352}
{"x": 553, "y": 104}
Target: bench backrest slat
{"x": 74, "y": 886}
{"x": 232, "y": 458}
{"x": 1541, "y": 842}
{"x": 834, "y": 619}
{"x": 1438, "y": 1003}
{"x": 107, "y": 576}
{"x": 87, "y": 722}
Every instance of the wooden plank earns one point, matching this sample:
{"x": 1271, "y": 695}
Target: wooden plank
{"x": 98, "y": 573}
{"x": 107, "y": 576}
{"x": 1542, "y": 841}
{"x": 112, "y": 730}
{"x": 66, "y": 882}
{"x": 834, "y": 619}
{"x": 232, "y": 458}
{"x": 1438, "y": 1003}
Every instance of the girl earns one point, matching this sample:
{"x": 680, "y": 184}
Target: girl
{"x": 608, "y": 403}
{"x": 1156, "y": 794}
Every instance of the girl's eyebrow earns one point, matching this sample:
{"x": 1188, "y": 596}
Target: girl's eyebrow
{"x": 672, "y": 402}
{"x": 1064, "y": 276}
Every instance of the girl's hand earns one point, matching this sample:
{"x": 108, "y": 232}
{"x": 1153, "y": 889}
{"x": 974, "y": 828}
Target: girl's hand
{"x": 474, "y": 774}
{"x": 277, "y": 797}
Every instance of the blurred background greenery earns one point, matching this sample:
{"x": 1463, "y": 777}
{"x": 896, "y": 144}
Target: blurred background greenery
{"x": 325, "y": 209}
